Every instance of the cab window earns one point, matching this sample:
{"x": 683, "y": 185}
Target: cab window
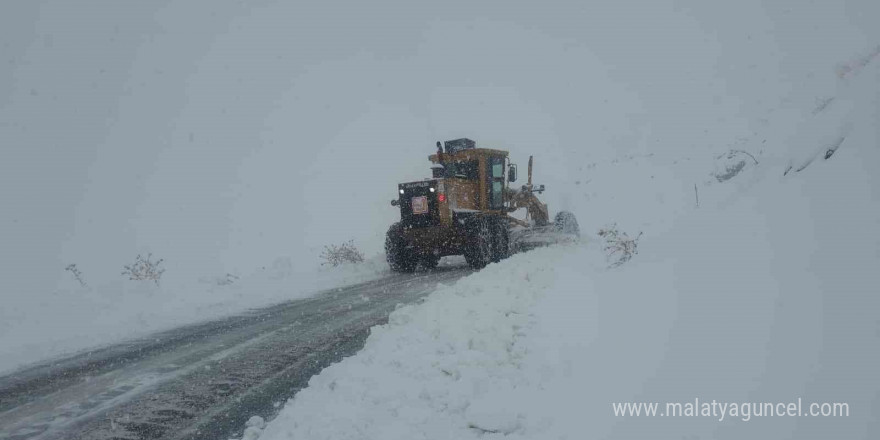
{"x": 496, "y": 182}
{"x": 469, "y": 170}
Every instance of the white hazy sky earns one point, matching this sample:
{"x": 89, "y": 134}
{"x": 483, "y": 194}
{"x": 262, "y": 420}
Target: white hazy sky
{"x": 220, "y": 135}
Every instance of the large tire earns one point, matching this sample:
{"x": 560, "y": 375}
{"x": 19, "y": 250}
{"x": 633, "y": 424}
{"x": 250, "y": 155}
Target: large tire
{"x": 398, "y": 256}
{"x": 430, "y": 261}
{"x": 566, "y": 223}
{"x": 500, "y": 240}
{"x": 478, "y": 252}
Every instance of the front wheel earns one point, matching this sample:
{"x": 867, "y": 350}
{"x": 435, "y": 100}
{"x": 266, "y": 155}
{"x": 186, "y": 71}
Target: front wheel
{"x": 566, "y": 223}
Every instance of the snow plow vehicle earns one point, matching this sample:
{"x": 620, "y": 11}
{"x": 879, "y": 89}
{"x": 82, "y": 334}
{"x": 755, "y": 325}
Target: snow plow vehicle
{"x": 464, "y": 209}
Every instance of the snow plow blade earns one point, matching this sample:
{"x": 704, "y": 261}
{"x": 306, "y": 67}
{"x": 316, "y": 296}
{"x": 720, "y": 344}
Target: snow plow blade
{"x": 563, "y": 230}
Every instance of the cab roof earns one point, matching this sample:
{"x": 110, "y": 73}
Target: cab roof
{"x": 469, "y": 154}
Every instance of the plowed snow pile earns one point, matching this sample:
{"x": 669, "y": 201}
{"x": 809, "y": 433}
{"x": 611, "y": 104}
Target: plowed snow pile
{"x": 766, "y": 292}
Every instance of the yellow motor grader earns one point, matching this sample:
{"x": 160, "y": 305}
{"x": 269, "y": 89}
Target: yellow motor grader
{"x": 464, "y": 210}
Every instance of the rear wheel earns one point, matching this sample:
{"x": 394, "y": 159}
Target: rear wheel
{"x": 500, "y": 240}
{"x": 430, "y": 261}
{"x": 398, "y": 256}
{"x": 478, "y": 252}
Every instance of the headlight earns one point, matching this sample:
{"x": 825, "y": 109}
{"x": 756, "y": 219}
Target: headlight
{"x": 432, "y": 189}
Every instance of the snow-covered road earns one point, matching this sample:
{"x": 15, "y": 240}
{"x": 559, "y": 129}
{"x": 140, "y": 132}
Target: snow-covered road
{"x": 203, "y": 381}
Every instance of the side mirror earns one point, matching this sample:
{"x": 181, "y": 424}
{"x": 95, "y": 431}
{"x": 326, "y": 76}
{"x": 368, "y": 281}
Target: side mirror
{"x": 395, "y": 202}
{"x": 511, "y": 173}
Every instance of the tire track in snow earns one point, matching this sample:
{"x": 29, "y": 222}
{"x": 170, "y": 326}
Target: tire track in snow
{"x": 204, "y": 380}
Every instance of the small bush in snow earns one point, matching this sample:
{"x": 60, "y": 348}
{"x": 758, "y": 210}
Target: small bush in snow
{"x": 76, "y": 274}
{"x": 226, "y": 280}
{"x": 145, "y": 269}
{"x": 619, "y": 247}
{"x": 345, "y": 253}
{"x": 732, "y": 163}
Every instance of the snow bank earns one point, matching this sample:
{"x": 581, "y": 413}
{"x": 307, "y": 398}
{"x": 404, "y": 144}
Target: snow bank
{"x": 765, "y": 299}
{"x": 456, "y": 361}
{"x": 36, "y": 327}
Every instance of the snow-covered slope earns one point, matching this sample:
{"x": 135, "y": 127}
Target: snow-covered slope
{"x": 769, "y": 298}
{"x": 220, "y": 135}
{"x": 765, "y": 292}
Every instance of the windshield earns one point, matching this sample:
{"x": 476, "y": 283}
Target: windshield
{"x": 460, "y": 169}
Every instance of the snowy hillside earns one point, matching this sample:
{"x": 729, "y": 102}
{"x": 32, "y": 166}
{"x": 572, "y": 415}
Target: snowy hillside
{"x": 213, "y": 133}
{"x": 756, "y": 282}
{"x": 765, "y": 292}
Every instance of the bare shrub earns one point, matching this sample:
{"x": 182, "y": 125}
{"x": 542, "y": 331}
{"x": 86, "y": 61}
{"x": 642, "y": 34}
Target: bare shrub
{"x": 77, "y": 274}
{"x": 732, "y": 163}
{"x": 226, "y": 280}
{"x": 347, "y": 252}
{"x": 619, "y": 247}
{"x": 852, "y": 68}
{"x": 145, "y": 269}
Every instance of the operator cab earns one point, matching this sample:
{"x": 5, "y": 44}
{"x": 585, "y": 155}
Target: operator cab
{"x": 480, "y": 171}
